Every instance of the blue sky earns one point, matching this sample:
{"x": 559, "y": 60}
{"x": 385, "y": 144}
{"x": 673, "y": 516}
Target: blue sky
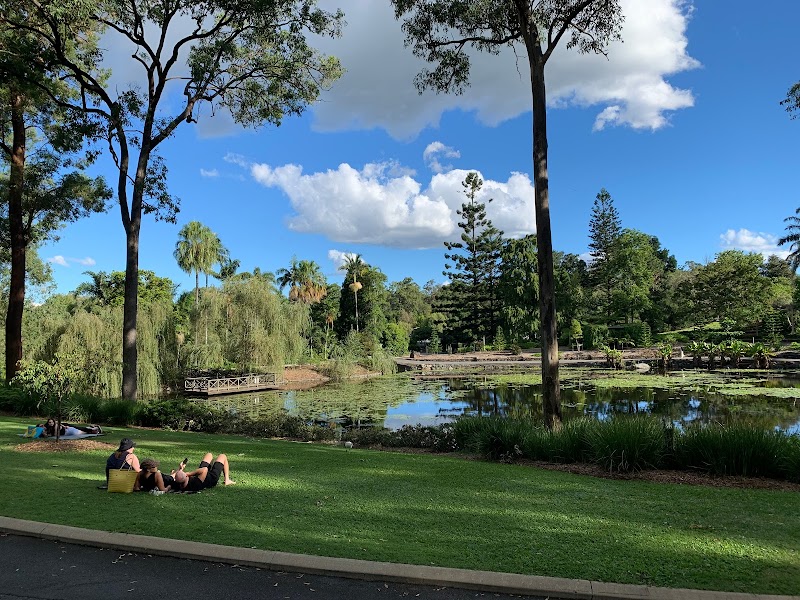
{"x": 681, "y": 124}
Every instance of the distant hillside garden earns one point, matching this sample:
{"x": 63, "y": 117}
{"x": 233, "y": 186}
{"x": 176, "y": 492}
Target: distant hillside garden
{"x": 629, "y": 293}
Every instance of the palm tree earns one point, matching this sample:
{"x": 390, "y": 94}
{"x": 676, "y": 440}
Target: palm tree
{"x": 354, "y": 266}
{"x": 98, "y": 289}
{"x": 305, "y": 280}
{"x": 197, "y": 250}
{"x": 792, "y": 237}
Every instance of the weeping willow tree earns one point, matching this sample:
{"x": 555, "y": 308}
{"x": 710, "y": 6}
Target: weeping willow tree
{"x": 89, "y": 337}
{"x": 247, "y": 326}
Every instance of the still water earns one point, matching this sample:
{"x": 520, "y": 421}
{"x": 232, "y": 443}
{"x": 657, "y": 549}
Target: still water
{"x": 392, "y": 402}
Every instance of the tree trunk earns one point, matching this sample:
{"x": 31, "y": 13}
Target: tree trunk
{"x": 355, "y": 297}
{"x": 130, "y": 310}
{"x": 18, "y": 238}
{"x": 551, "y": 390}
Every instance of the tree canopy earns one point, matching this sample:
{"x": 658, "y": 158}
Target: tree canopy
{"x": 250, "y": 58}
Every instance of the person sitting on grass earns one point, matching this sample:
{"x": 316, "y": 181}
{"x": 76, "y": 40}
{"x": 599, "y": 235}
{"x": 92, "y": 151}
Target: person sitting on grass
{"x": 204, "y": 476}
{"x": 152, "y": 480}
{"x": 123, "y": 458}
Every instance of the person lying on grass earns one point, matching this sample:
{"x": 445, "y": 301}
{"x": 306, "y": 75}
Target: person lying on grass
{"x": 150, "y": 479}
{"x": 204, "y": 477}
{"x": 49, "y": 428}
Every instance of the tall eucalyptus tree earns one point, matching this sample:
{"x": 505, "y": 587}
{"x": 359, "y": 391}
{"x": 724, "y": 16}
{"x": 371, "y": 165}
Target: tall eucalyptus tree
{"x": 44, "y": 184}
{"x": 442, "y": 31}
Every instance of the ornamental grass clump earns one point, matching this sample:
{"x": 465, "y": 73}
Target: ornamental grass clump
{"x": 790, "y": 462}
{"x": 627, "y": 443}
{"x": 738, "y": 449}
{"x": 493, "y": 437}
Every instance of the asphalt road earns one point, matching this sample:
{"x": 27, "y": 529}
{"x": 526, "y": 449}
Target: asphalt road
{"x": 43, "y": 569}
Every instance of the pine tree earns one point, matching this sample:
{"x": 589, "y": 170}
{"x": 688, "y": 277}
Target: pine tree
{"x": 470, "y": 302}
{"x": 604, "y": 232}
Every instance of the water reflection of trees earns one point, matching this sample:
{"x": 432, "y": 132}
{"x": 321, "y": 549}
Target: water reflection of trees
{"x": 679, "y": 407}
{"x": 368, "y": 403}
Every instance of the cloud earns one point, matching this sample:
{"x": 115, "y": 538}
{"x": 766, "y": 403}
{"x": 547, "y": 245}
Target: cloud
{"x": 432, "y": 153}
{"x": 58, "y": 260}
{"x": 338, "y": 258}
{"x": 749, "y": 241}
{"x": 65, "y": 261}
{"x": 383, "y": 204}
{"x": 629, "y": 87}
{"x": 211, "y": 173}
{"x": 236, "y": 159}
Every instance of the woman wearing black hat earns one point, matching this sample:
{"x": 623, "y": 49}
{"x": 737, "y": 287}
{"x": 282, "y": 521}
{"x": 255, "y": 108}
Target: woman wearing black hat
{"x": 124, "y": 458}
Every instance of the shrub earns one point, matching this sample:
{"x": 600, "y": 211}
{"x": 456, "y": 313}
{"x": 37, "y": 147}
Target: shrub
{"x": 169, "y": 414}
{"x": 397, "y": 337}
{"x": 118, "y": 412}
{"x": 624, "y": 444}
{"x": 738, "y": 449}
{"x": 369, "y": 436}
{"x": 83, "y": 409}
{"x": 613, "y": 357}
{"x": 499, "y": 339}
{"x": 17, "y": 400}
{"x": 381, "y": 362}
{"x": 570, "y": 443}
{"x": 594, "y": 336}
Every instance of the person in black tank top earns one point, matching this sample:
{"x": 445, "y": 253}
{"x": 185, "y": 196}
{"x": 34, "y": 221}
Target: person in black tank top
{"x": 150, "y": 478}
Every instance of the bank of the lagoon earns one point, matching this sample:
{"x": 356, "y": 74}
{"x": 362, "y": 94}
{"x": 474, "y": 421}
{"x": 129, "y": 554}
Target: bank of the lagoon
{"x": 680, "y": 397}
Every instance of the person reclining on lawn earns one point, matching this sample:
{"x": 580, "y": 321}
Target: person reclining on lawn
{"x": 204, "y": 477}
{"x": 150, "y": 479}
{"x": 65, "y": 429}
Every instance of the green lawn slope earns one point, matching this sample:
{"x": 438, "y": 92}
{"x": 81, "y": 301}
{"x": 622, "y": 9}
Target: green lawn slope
{"x": 425, "y": 509}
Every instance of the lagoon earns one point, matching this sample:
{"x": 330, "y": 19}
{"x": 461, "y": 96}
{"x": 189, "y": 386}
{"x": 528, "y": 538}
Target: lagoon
{"x": 395, "y": 401}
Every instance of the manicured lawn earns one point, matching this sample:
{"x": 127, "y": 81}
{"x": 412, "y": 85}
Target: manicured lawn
{"x": 424, "y": 509}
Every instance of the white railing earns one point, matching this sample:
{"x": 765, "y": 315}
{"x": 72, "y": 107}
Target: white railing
{"x": 206, "y": 385}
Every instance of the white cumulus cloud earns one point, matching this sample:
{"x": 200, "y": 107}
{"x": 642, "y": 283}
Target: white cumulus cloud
{"x": 209, "y": 173}
{"x": 58, "y": 260}
{"x": 86, "y": 262}
{"x": 749, "y": 241}
{"x": 630, "y": 87}
{"x": 383, "y": 204}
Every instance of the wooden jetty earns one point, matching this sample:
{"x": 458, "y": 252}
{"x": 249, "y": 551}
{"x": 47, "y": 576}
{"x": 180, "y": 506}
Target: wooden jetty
{"x": 212, "y": 386}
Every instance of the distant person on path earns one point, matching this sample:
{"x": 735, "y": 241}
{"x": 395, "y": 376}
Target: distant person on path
{"x": 205, "y": 476}
{"x": 123, "y": 458}
{"x": 150, "y": 479}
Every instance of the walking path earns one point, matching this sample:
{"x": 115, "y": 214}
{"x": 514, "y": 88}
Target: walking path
{"x": 484, "y": 581}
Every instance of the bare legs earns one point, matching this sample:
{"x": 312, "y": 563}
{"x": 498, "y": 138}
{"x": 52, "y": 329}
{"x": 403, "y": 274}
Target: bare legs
{"x": 202, "y": 472}
{"x": 226, "y": 470}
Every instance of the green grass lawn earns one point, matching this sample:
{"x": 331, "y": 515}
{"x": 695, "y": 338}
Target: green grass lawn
{"x": 423, "y": 509}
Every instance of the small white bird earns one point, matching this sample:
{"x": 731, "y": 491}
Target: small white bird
{"x": 348, "y": 445}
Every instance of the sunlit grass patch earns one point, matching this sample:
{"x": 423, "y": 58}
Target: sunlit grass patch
{"x": 424, "y": 509}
